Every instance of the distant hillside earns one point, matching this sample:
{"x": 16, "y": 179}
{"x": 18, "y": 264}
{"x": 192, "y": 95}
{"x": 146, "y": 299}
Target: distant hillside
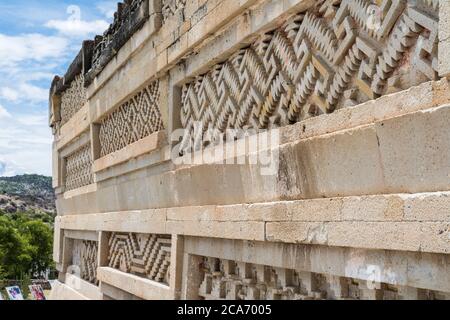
{"x": 27, "y": 193}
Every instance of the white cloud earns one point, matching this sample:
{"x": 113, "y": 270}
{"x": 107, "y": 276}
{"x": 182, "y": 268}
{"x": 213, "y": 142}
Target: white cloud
{"x": 2, "y": 168}
{"x": 28, "y": 62}
{"x": 10, "y": 168}
{"x": 34, "y": 120}
{"x": 9, "y": 94}
{"x": 25, "y": 144}
{"x": 33, "y": 93}
{"x": 38, "y": 47}
{"x": 107, "y": 8}
{"x": 4, "y": 113}
{"x": 24, "y": 92}
{"x": 78, "y": 28}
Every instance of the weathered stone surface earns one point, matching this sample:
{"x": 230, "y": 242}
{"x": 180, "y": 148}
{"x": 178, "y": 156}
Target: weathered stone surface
{"x": 61, "y": 292}
{"x": 410, "y": 269}
{"x": 410, "y": 236}
{"x": 135, "y": 285}
{"x": 130, "y": 17}
{"x": 396, "y": 222}
{"x": 357, "y": 161}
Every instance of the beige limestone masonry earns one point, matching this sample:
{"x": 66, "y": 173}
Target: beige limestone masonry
{"x": 350, "y": 201}
{"x": 61, "y": 292}
{"x": 397, "y": 222}
{"x": 137, "y": 286}
{"x": 389, "y": 156}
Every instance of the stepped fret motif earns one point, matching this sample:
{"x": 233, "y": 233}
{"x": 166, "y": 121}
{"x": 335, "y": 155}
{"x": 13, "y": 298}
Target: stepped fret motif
{"x": 89, "y": 262}
{"x": 144, "y": 255}
{"x": 231, "y": 280}
{"x": 79, "y": 169}
{"x": 73, "y": 99}
{"x": 84, "y": 257}
{"x": 136, "y": 119}
{"x": 337, "y": 54}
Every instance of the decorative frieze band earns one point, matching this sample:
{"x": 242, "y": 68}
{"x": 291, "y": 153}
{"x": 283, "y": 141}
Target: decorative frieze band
{"x": 144, "y": 255}
{"x": 89, "y": 261}
{"x": 78, "y": 171}
{"x": 231, "y": 280}
{"x": 73, "y": 99}
{"x": 136, "y": 119}
{"x": 337, "y": 54}
{"x": 85, "y": 258}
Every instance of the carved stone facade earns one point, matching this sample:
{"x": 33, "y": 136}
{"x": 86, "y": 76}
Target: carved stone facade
{"x": 337, "y": 54}
{"x": 79, "y": 169}
{"x": 85, "y": 256}
{"x": 89, "y": 258}
{"x": 172, "y": 7}
{"x": 356, "y": 97}
{"x": 134, "y": 120}
{"x": 130, "y": 17}
{"x": 144, "y": 255}
{"x": 231, "y": 280}
{"x": 73, "y": 99}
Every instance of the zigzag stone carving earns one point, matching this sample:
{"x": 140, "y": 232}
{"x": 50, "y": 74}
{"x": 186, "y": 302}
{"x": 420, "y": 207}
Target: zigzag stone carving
{"x": 73, "y": 99}
{"x": 143, "y": 255}
{"x": 79, "y": 169}
{"x": 231, "y": 280}
{"x": 339, "y": 53}
{"x": 89, "y": 261}
{"x": 84, "y": 256}
{"x": 136, "y": 119}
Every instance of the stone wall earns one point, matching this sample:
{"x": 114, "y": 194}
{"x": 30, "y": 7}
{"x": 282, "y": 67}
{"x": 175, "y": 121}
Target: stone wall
{"x": 257, "y": 149}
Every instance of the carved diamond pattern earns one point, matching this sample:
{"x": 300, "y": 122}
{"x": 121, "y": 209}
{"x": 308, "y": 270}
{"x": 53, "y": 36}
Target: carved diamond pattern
{"x": 136, "y": 119}
{"x": 79, "y": 169}
{"x": 339, "y": 53}
{"x": 73, "y": 99}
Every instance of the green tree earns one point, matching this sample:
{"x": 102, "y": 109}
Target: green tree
{"x": 14, "y": 257}
{"x": 39, "y": 239}
{"x": 25, "y": 247}
{"x": 2, "y": 274}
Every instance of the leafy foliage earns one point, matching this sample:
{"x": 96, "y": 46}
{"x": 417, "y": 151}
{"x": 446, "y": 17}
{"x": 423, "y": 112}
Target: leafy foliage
{"x": 25, "y": 246}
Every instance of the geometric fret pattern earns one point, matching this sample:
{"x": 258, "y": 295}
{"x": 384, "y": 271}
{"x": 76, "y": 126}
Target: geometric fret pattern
{"x": 89, "y": 261}
{"x": 233, "y": 280}
{"x": 73, "y": 99}
{"x": 172, "y": 7}
{"x": 79, "y": 169}
{"x": 144, "y": 255}
{"x": 134, "y": 120}
{"x": 338, "y": 53}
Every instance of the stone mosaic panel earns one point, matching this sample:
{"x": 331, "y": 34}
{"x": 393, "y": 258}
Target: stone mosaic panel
{"x": 85, "y": 256}
{"x": 73, "y": 99}
{"x": 336, "y": 54}
{"x": 231, "y": 280}
{"x": 134, "y": 120}
{"x": 79, "y": 169}
{"x": 144, "y": 255}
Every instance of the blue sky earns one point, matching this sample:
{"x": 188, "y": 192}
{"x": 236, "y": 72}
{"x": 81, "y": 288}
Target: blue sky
{"x": 38, "y": 39}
